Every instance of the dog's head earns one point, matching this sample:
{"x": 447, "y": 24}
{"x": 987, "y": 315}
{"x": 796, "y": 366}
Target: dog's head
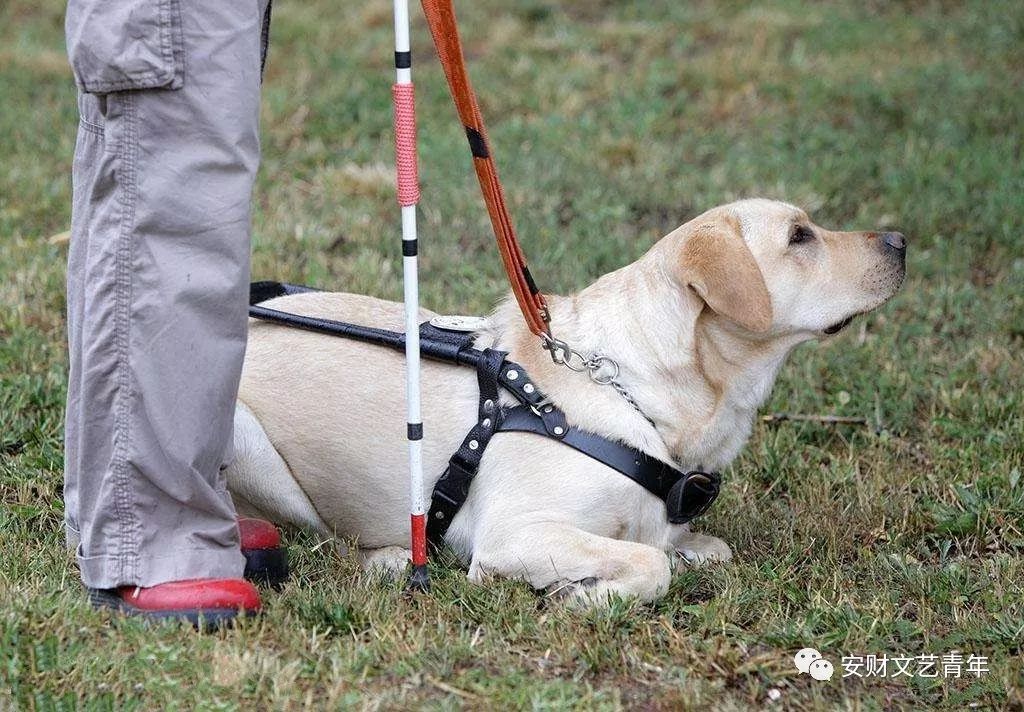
{"x": 764, "y": 267}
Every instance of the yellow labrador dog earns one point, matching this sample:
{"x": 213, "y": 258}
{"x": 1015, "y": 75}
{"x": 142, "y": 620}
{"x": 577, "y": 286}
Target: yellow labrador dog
{"x": 700, "y": 326}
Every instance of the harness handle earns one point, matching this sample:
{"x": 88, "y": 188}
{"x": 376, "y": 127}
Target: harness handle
{"x": 443, "y": 28}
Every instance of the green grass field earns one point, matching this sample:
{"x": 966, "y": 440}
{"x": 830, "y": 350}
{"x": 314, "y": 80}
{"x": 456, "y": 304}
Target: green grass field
{"x": 612, "y": 122}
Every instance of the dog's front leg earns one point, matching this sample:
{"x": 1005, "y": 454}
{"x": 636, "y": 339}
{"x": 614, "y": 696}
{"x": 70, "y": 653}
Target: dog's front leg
{"x": 584, "y": 568}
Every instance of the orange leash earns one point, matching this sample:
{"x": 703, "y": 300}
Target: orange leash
{"x": 441, "y": 19}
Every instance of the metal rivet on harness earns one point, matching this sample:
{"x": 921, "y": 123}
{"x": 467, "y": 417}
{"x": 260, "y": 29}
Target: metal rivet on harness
{"x": 513, "y": 375}
{"x": 488, "y": 405}
{"x": 528, "y": 387}
{"x": 559, "y": 430}
{"x": 486, "y": 422}
{"x": 473, "y": 444}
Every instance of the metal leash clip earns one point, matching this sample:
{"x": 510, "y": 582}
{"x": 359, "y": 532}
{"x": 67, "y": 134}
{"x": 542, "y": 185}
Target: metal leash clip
{"x": 565, "y": 355}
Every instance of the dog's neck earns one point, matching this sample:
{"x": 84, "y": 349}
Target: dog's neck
{"x": 700, "y": 380}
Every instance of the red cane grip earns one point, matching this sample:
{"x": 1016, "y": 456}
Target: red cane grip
{"x": 419, "y": 539}
{"x": 405, "y": 144}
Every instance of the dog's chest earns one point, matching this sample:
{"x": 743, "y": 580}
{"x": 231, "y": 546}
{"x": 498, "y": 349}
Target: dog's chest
{"x": 721, "y": 440}
{"x": 713, "y": 436}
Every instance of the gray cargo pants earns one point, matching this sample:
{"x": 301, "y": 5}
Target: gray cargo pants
{"x": 158, "y": 275}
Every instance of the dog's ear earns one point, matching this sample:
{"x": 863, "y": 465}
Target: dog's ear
{"x": 717, "y": 264}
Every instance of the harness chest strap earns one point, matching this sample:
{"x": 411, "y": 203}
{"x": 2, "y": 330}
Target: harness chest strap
{"x": 686, "y": 495}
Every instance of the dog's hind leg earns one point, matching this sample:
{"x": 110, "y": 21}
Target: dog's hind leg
{"x": 259, "y": 477}
{"x": 584, "y": 568}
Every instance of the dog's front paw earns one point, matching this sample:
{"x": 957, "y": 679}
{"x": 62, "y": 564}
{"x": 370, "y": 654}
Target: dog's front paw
{"x": 568, "y": 590}
{"x": 700, "y": 549}
{"x": 387, "y": 561}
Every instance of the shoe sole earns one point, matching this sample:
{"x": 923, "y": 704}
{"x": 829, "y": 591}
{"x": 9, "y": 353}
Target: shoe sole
{"x": 204, "y": 619}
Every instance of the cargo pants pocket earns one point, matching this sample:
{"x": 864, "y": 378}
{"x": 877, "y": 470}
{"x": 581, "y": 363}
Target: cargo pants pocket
{"x": 117, "y": 45}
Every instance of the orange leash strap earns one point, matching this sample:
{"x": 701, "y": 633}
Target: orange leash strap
{"x": 441, "y": 19}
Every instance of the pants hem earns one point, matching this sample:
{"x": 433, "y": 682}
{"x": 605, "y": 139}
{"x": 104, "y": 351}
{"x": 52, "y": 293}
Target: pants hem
{"x": 183, "y": 565}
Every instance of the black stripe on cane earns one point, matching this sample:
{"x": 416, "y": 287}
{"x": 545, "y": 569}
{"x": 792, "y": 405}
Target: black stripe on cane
{"x": 414, "y": 431}
{"x": 409, "y": 248}
{"x": 476, "y": 143}
{"x": 403, "y": 60}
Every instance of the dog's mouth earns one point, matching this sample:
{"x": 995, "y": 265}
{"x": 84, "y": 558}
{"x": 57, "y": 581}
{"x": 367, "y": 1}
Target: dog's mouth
{"x": 839, "y": 325}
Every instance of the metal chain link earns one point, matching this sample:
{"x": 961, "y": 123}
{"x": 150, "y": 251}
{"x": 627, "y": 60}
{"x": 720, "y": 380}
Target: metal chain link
{"x": 564, "y": 355}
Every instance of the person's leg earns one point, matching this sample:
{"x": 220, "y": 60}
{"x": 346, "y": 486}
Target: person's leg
{"x": 157, "y": 288}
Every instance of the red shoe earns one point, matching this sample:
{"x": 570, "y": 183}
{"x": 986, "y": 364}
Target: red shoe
{"x": 206, "y": 603}
{"x": 266, "y": 561}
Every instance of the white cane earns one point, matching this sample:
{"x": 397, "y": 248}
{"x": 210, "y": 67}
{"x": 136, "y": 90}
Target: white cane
{"x": 408, "y": 196}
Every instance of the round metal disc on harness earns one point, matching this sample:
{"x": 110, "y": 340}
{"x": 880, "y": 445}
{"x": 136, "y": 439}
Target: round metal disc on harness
{"x": 459, "y": 323}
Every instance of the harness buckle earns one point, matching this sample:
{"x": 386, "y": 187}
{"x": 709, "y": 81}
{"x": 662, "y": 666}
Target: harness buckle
{"x": 692, "y": 496}
{"x": 542, "y": 407}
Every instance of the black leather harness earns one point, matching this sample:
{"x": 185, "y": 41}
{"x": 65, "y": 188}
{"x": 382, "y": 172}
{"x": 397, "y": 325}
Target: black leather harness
{"x": 686, "y": 494}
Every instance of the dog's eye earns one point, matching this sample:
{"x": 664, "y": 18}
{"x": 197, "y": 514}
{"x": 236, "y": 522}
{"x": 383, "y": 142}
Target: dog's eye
{"x": 800, "y": 235}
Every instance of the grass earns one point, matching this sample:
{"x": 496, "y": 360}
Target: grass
{"x": 612, "y": 123}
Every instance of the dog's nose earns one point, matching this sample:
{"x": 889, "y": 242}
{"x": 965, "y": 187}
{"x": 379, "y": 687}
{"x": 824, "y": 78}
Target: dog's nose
{"x": 894, "y": 241}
